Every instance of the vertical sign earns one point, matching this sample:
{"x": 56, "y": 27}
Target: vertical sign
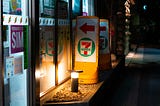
{"x": 104, "y": 57}
{"x": 86, "y": 48}
{"x": 86, "y": 39}
{"x": 16, "y": 39}
{"x": 104, "y": 36}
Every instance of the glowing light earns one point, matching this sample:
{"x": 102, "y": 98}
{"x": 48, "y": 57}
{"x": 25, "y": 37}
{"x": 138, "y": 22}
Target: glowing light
{"x": 74, "y": 75}
{"x": 145, "y": 7}
{"x": 130, "y": 55}
{"x": 74, "y": 81}
{"x": 37, "y": 74}
{"x": 61, "y": 72}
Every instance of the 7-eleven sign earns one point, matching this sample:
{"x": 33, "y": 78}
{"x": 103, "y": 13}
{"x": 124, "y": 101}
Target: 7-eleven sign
{"x": 86, "y": 47}
{"x": 87, "y": 39}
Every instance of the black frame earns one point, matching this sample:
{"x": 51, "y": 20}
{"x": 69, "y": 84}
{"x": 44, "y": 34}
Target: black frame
{"x": 34, "y": 16}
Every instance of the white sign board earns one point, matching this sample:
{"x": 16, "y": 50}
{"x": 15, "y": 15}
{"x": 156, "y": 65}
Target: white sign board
{"x": 86, "y": 39}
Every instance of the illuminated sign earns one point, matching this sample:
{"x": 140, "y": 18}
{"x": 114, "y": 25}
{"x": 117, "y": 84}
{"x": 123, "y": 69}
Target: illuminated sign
{"x": 86, "y": 48}
{"x": 86, "y": 40}
{"x": 103, "y": 43}
{"x": 104, "y": 37}
{"x": 104, "y": 57}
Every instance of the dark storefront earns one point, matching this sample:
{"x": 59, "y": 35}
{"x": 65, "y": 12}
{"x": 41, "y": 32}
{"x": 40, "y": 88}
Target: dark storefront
{"x": 39, "y": 45}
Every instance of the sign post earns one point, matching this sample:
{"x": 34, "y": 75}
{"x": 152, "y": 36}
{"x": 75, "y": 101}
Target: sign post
{"x": 86, "y": 48}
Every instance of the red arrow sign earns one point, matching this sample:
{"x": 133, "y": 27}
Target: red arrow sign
{"x": 86, "y": 28}
{"x": 102, "y": 28}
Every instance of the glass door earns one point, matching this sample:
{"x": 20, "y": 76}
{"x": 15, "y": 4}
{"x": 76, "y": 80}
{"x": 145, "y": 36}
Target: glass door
{"x": 46, "y": 45}
{"x": 15, "y": 52}
{"x": 54, "y": 43}
{"x": 1, "y": 76}
{"x": 64, "y": 53}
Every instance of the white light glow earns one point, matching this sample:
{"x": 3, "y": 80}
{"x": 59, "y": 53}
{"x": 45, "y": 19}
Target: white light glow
{"x": 74, "y": 75}
{"x": 130, "y": 55}
{"x": 61, "y": 72}
{"x": 37, "y": 74}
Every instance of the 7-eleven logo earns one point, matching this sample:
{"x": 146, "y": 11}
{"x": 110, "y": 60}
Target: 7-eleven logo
{"x": 102, "y": 43}
{"x": 86, "y": 47}
{"x": 50, "y": 48}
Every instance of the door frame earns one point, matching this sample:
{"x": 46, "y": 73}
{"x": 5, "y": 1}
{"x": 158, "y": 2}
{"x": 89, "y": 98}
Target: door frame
{"x": 1, "y": 55}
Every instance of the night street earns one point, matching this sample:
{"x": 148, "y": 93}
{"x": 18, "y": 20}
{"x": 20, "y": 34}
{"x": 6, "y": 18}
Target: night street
{"x": 140, "y": 86}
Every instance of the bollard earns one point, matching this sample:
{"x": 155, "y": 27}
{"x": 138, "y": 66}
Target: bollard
{"x": 74, "y": 80}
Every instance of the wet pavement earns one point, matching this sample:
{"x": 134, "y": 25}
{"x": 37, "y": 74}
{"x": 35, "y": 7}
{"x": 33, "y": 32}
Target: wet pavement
{"x": 141, "y": 81}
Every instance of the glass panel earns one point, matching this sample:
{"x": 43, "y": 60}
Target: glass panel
{"x": 55, "y": 50}
{"x": 85, "y": 7}
{"x": 64, "y": 49}
{"x": 76, "y": 8}
{"x": 88, "y": 8}
{"x": 47, "y": 45}
{"x": 15, "y": 52}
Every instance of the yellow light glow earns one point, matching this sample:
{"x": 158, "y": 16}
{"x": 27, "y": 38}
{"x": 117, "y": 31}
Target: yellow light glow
{"x": 61, "y": 72}
{"x": 47, "y": 77}
{"x": 37, "y": 74}
{"x": 74, "y": 75}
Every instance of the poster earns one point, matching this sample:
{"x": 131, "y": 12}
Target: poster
{"x": 9, "y": 67}
{"x": 16, "y": 38}
{"x": 13, "y": 66}
{"x": 18, "y": 65}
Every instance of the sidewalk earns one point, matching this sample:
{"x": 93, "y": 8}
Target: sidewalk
{"x": 140, "y": 86}
{"x": 134, "y": 55}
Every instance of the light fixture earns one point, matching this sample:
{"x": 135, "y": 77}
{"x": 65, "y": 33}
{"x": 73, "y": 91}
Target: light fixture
{"x": 74, "y": 80}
